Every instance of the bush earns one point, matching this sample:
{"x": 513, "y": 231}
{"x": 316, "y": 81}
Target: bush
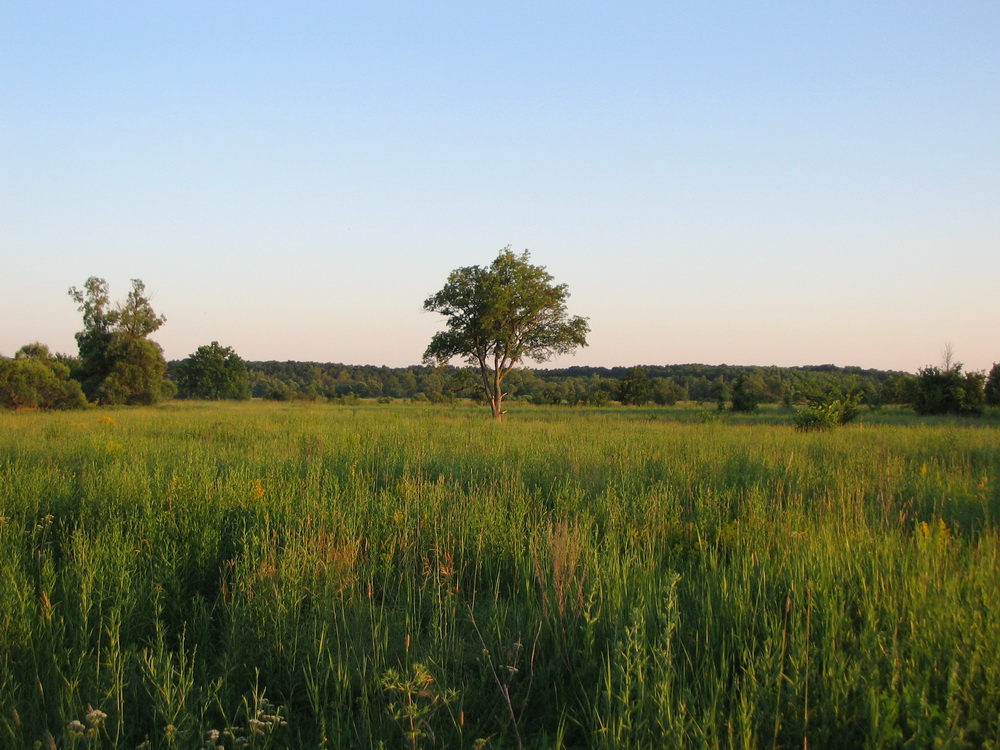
{"x": 816, "y": 418}
{"x": 747, "y": 393}
{"x": 31, "y": 383}
{"x": 599, "y": 397}
{"x": 829, "y": 412}
{"x": 950, "y": 391}
{"x": 991, "y": 389}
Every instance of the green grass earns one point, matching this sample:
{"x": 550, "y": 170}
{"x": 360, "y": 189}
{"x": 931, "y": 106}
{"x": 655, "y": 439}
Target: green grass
{"x": 417, "y": 576}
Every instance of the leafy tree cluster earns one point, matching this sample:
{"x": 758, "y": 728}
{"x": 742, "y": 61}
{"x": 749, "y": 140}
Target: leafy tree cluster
{"x": 289, "y": 380}
{"x": 213, "y": 372}
{"x": 787, "y": 385}
{"x": 948, "y": 390}
{"x": 118, "y": 363}
{"x": 991, "y": 389}
{"x": 638, "y": 389}
{"x": 34, "y": 379}
{"x": 568, "y": 386}
{"x": 747, "y": 392}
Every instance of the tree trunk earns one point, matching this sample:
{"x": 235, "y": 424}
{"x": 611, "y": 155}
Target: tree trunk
{"x": 495, "y": 405}
{"x": 491, "y": 384}
{"x": 496, "y": 396}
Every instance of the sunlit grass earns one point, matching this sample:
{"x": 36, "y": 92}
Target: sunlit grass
{"x": 422, "y": 577}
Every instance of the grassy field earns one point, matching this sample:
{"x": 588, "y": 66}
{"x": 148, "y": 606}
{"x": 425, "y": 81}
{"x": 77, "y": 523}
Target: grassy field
{"x": 303, "y": 576}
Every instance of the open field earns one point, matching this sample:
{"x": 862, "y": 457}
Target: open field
{"x": 418, "y": 576}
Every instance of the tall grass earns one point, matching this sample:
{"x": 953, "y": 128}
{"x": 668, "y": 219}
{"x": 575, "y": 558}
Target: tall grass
{"x": 403, "y": 576}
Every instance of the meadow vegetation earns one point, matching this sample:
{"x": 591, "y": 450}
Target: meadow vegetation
{"x": 401, "y": 575}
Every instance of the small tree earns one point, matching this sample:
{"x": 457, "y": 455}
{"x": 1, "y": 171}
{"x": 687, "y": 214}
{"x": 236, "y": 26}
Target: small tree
{"x": 118, "y": 363}
{"x": 747, "y": 392}
{"x": 635, "y": 389}
{"x": 500, "y": 315}
{"x": 900, "y": 388}
{"x": 829, "y": 410}
{"x": 720, "y": 392}
{"x": 939, "y": 390}
{"x": 950, "y": 391}
{"x": 99, "y": 320}
{"x": 992, "y": 387}
{"x": 667, "y": 392}
{"x": 213, "y": 372}
{"x": 974, "y": 394}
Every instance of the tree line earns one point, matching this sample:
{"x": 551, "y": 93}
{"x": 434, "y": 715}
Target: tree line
{"x": 596, "y": 386}
{"x": 117, "y": 363}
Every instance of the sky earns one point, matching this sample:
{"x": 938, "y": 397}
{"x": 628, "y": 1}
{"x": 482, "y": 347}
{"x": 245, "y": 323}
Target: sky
{"x": 780, "y": 183}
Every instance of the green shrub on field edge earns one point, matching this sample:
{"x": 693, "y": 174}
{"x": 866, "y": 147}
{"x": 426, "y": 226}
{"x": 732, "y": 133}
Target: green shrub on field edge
{"x": 826, "y": 413}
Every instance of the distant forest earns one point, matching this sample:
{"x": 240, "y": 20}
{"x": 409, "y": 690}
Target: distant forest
{"x": 662, "y": 384}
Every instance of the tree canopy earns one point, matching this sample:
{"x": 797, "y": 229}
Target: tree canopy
{"x": 500, "y": 315}
{"x": 213, "y": 372}
{"x": 118, "y": 363}
{"x": 947, "y": 390}
{"x": 635, "y": 389}
{"x": 991, "y": 390}
{"x": 747, "y": 392}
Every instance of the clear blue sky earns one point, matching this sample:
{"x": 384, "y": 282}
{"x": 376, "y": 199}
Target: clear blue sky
{"x": 750, "y": 183}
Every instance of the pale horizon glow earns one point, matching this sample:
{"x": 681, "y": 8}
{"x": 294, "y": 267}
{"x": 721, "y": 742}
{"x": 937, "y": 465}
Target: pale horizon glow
{"x": 790, "y": 184}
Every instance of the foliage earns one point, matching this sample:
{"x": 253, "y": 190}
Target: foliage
{"x": 638, "y": 389}
{"x": 747, "y": 392}
{"x": 991, "y": 389}
{"x": 500, "y": 315}
{"x": 635, "y": 389}
{"x": 974, "y": 394}
{"x": 829, "y": 411}
{"x": 118, "y": 364}
{"x": 570, "y": 386}
{"x": 947, "y": 390}
{"x": 599, "y": 397}
{"x": 213, "y": 372}
{"x": 36, "y": 380}
{"x": 940, "y": 391}
{"x": 667, "y": 392}
{"x": 900, "y": 388}
{"x": 135, "y": 373}
{"x": 99, "y": 320}
{"x": 720, "y": 393}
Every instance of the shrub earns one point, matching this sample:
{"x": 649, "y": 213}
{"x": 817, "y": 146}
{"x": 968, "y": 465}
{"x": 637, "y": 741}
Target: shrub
{"x": 31, "y": 383}
{"x": 991, "y": 389}
{"x": 816, "y": 418}
{"x": 950, "y": 391}
{"x": 828, "y": 412}
{"x": 747, "y": 393}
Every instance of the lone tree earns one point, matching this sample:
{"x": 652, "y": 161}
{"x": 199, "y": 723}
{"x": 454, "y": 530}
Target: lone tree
{"x": 500, "y": 315}
{"x": 213, "y": 372}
